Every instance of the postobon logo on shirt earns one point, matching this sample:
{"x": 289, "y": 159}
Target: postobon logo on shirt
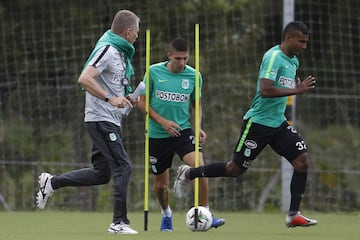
{"x": 172, "y": 96}
{"x": 287, "y": 82}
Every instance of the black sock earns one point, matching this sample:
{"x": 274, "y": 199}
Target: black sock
{"x": 297, "y": 189}
{"x": 210, "y": 170}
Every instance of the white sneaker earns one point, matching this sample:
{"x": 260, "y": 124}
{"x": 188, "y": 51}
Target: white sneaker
{"x": 121, "y": 229}
{"x": 46, "y": 190}
{"x": 181, "y": 181}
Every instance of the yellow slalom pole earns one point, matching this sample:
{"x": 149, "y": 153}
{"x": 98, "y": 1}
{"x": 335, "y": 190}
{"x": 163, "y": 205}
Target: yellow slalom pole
{"x": 146, "y": 173}
{"x": 197, "y": 121}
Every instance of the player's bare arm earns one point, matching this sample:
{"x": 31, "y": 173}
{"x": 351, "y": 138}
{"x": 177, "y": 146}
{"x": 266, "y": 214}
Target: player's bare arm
{"x": 87, "y": 80}
{"x": 268, "y": 90}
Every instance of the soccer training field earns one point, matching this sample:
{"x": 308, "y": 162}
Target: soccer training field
{"x": 50, "y": 225}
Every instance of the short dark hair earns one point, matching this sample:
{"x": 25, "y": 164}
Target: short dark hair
{"x": 179, "y": 44}
{"x": 295, "y": 26}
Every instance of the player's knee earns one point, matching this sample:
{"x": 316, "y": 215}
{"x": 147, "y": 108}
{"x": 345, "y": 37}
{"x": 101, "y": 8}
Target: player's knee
{"x": 233, "y": 170}
{"x": 160, "y": 188}
{"x": 301, "y": 163}
{"x": 302, "y": 168}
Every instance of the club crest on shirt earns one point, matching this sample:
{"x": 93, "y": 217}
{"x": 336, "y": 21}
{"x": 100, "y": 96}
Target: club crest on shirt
{"x": 185, "y": 84}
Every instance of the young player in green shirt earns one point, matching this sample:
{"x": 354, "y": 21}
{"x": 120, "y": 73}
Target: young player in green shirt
{"x": 171, "y": 94}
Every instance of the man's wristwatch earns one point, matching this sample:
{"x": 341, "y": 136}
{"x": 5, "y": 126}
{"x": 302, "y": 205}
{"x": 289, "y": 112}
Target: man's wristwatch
{"x": 107, "y": 97}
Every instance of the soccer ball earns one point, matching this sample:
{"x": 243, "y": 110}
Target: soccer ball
{"x": 204, "y": 219}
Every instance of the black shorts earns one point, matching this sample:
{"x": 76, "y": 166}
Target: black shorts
{"x": 162, "y": 150}
{"x": 254, "y": 137}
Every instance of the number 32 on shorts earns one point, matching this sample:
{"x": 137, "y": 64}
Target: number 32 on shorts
{"x": 301, "y": 145}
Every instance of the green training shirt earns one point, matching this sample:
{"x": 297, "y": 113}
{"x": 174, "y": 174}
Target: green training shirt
{"x": 171, "y": 95}
{"x": 281, "y": 69}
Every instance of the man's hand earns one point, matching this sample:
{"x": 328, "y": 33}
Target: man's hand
{"x": 133, "y": 101}
{"x": 202, "y": 136}
{"x": 171, "y": 127}
{"x": 120, "y": 102}
{"x": 305, "y": 85}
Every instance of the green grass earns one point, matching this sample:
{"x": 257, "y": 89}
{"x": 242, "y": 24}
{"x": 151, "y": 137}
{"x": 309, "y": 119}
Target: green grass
{"x": 50, "y": 225}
